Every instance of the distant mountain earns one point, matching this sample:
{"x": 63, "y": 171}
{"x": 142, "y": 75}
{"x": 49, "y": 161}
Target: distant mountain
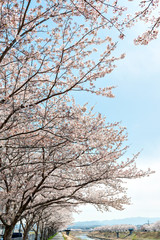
{"x": 134, "y": 221}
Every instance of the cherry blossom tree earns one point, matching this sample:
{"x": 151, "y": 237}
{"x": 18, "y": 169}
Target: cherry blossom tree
{"x": 156, "y": 226}
{"x": 123, "y": 227}
{"x": 47, "y": 221}
{"x": 106, "y": 228}
{"x": 53, "y": 152}
{"x": 59, "y": 220}
{"x": 118, "y": 228}
{"x": 151, "y": 227}
{"x": 45, "y": 52}
{"x": 115, "y": 228}
{"x": 75, "y": 155}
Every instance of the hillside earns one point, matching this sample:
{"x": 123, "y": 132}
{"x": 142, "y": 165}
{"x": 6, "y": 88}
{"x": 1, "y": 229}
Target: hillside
{"x": 92, "y": 224}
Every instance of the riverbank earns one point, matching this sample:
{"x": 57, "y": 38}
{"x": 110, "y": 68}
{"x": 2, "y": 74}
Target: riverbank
{"x": 78, "y": 235}
{"x": 126, "y": 236}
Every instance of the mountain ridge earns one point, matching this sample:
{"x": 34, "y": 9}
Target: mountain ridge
{"x": 96, "y": 223}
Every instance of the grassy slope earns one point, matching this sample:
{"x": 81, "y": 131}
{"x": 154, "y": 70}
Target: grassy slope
{"x": 134, "y": 236}
{"x": 52, "y": 236}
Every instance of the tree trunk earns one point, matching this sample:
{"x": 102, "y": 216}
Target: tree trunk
{"x": 45, "y": 234}
{"x": 42, "y": 232}
{"x": 26, "y": 230}
{"x": 8, "y": 232}
{"x": 37, "y": 230}
{"x": 25, "y": 234}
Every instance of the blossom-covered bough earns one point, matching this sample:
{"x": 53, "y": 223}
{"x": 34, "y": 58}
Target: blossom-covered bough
{"x": 149, "y": 13}
{"x": 52, "y": 151}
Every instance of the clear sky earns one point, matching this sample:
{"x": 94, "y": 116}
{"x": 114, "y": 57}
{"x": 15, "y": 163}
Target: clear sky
{"x": 137, "y": 106}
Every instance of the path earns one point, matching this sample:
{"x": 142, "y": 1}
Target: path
{"x": 58, "y": 237}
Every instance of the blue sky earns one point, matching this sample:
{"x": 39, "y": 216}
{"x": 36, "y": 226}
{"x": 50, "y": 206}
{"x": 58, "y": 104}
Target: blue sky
{"x": 137, "y": 106}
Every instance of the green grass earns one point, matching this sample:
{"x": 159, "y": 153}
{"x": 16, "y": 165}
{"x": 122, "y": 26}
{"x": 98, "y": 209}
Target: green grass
{"x": 52, "y": 236}
{"x": 146, "y": 236}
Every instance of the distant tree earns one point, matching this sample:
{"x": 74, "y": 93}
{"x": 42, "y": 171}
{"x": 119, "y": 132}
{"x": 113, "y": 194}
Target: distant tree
{"x": 151, "y": 227}
{"x": 106, "y": 228}
{"x": 123, "y": 227}
{"x": 146, "y": 227}
{"x": 156, "y": 226}
{"x": 116, "y": 228}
